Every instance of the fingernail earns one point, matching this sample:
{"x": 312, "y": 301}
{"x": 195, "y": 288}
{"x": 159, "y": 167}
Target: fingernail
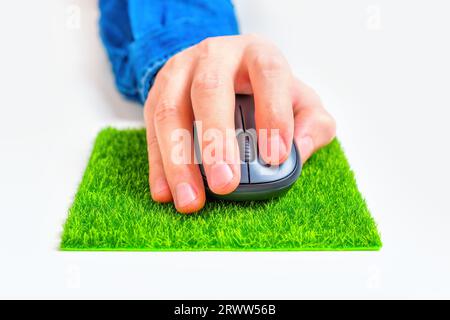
{"x": 305, "y": 147}
{"x": 221, "y": 175}
{"x": 185, "y": 194}
{"x": 160, "y": 186}
{"x": 276, "y": 148}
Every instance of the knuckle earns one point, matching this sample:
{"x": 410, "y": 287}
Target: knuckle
{"x": 165, "y": 110}
{"x": 273, "y": 115}
{"x": 205, "y": 47}
{"x": 176, "y": 62}
{"x": 162, "y": 77}
{"x": 257, "y": 41}
{"x": 153, "y": 145}
{"x": 269, "y": 65}
{"x": 207, "y": 81}
{"x": 253, "y": 37}
{"x": 270, "y": 114}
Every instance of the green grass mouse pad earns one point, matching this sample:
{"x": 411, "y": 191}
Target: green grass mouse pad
{"x": 113, "y": 210}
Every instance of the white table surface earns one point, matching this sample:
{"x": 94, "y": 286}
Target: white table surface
{"x": 383, "y": 70}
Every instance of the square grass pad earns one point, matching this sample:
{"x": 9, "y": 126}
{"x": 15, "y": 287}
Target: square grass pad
{"x": 113, "y": 209}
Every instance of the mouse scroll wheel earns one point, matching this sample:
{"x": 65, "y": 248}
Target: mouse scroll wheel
{"x": 247, "y": 147}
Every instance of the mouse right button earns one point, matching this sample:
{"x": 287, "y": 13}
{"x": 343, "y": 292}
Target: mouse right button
{"x": 260, "y": 172}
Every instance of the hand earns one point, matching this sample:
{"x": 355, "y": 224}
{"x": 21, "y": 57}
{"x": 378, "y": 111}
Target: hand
{"x": 200, "y": 83}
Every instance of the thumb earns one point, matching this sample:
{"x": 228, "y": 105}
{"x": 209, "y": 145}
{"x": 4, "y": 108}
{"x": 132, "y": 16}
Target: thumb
{"x": 314, "y": 128}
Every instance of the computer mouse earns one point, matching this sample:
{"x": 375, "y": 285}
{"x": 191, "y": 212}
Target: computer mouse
{"x": 259, "y": 181}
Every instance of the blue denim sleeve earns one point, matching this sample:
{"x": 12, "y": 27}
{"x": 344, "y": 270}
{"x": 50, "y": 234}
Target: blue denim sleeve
{"x": 140, "y": 35}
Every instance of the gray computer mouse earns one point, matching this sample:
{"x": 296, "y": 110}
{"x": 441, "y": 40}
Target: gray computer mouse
{"x": 259, "y": 181}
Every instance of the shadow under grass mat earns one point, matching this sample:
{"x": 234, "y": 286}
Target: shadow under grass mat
{"x": 113, "y": 210}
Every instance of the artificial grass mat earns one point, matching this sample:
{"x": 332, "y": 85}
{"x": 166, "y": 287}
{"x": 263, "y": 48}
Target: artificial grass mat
{"x": 113, "y": 209}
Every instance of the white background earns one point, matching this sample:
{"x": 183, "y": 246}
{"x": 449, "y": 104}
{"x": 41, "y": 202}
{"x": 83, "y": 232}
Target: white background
{"x": 382, "y": 69}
